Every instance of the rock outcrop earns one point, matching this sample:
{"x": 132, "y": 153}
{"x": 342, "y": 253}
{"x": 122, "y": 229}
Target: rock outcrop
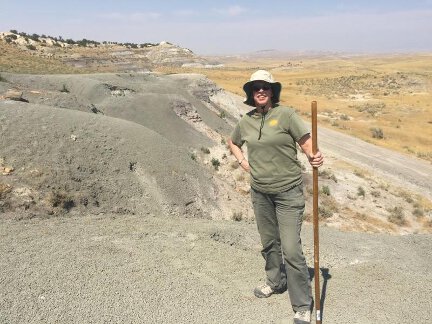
{"x": 107, "y": 56}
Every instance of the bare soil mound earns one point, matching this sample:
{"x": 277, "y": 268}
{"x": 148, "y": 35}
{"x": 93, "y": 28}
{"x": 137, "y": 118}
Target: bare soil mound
{"x": 95, "y": 144}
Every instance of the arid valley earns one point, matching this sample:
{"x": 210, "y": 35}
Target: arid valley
{"x": 120, "y": 201}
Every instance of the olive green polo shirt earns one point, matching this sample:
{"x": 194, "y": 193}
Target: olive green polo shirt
{"x": 272, "y": 152}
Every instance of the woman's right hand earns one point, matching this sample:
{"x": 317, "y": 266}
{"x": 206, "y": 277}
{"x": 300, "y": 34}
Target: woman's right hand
{"x": 245, "y": 165}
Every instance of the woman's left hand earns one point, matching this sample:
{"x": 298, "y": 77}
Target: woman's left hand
{"x": 316, "y": 160}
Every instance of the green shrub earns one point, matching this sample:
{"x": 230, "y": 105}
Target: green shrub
{"x": 359, "y": 173}
{"x": 424, "y": 155}
{"x": 361, "y": 191}
{"x": 83, "y": 43}
{"x": 396, "y": 216}
{"x": 215, "y": 162}
{"x": 64, "y": 89}
{"x": 324, "y": 212}
{"x": 205, "y": 150}
{"x": 240, "y": 177}
{"x": 303, "y": 167}
{"x": 327, "y": 174}
{"x": 327, "y": 207}
{"x": 35, "y": 37}
{"x": 237, "y": 216}
{"x": 372, "y": 109}
{"x": 377, "y": 133}
{"x": 60, "y": 200}
{"x": 418, "y": 212}
{"x": 376, "y": 193}
{"x": 325, "y": 190}
{"x": 4, "y": 189}
{"x": 384, "y": 186}
{"x": 406, "y": 196}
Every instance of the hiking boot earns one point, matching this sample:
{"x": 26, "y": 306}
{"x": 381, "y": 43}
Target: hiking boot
{"x": 266, "y": 291}
{"x": 302, "y": 317}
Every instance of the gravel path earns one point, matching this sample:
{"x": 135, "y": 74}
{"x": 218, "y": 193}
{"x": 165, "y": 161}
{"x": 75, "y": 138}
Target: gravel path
{"x": 141, "y": 269}
{"x": 403, "y": 170}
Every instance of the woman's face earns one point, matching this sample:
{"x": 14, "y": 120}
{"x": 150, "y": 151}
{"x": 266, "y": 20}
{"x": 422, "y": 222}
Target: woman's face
{"x": 262, "y": 93}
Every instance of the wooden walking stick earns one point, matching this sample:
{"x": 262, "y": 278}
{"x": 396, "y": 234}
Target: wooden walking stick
{"x": 315, "y": 216}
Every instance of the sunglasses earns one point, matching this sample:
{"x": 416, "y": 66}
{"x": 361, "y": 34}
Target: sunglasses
{"x": 259, "y": 86}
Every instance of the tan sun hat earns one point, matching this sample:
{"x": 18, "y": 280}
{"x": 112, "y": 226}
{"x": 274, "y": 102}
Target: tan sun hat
{"x": 262, "y": 75}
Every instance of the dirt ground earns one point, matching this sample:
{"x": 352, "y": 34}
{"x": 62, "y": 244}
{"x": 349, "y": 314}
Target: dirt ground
{"x": 111, "y": 211}
{"x": 142, "y": 269}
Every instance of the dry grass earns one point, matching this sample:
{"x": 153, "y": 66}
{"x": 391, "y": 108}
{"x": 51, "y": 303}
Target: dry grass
{"x": 13, "y": 59}
{"x": 327, "y": 206}
{"x": 4, "y": 189}
{"x": 371, "y": 224}
{"x": 397, "y": 216}
{"x": 397, "y": 88}
{"x": 367, "y": 203}
{"x": 60, "y": 200}
{"x": 237, "y": 216}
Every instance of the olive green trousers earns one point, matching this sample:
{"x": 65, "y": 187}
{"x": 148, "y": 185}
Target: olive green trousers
{"x": 279, "y": 218}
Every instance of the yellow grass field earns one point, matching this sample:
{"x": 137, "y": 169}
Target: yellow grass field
{"x": 385, "y": 100}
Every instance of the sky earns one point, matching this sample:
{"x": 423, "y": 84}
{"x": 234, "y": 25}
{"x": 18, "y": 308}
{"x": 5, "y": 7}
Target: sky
{"x": 233, "y": 27}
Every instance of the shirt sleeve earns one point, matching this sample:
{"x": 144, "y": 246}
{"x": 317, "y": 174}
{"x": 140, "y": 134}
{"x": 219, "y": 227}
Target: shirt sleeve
{"x": 236, "y": 136}
{"x": 297, "y": 127}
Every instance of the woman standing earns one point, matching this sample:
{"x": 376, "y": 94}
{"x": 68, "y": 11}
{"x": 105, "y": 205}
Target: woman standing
{"x": 271, "y": 133}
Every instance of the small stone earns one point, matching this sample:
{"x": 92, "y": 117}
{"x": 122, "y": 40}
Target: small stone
{"x": 13, "y": 94}
{"x": 7, "y": 170}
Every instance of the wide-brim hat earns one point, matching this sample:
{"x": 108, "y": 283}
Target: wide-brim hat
{"x": 262, "y": 75}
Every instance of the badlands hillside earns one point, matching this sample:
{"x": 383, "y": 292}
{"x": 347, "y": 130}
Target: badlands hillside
{"x": 87, "y": 55}
{"x": 360, "y": 190}
{"x": 120, "y": 202}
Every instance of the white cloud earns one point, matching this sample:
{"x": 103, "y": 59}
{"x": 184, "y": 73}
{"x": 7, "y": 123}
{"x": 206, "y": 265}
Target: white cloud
{"x": 235, "y": 10}
{"x": 111, "y": 15}
{"x": 231, "y": 11}
{"x": 185, "y": 13}
{"x": 145, "y": 15}
{"x": 136, "y": 16}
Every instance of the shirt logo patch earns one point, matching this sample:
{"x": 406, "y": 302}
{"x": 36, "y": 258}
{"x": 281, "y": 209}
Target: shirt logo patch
{"x": 273, "y": 122}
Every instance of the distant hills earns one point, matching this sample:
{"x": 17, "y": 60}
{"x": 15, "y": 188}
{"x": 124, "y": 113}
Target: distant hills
{"x": 22, "y": 38}
{"x": 104, "y": 56}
